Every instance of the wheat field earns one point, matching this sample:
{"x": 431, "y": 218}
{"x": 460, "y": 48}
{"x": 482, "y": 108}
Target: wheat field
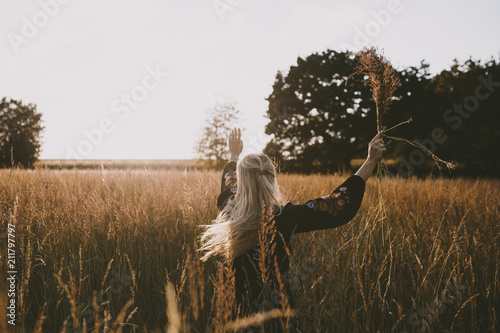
{"x": 108, "y": 250}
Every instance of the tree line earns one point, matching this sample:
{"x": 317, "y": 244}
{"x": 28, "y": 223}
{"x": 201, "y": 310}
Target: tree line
{"x": 320, "y": 121}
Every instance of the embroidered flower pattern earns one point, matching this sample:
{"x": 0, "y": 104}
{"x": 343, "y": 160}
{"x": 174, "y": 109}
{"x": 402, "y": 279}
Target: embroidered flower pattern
{"x": 323, "y": 204}
{"x": 231, "y": 181}
{"x": 331, "y": 204}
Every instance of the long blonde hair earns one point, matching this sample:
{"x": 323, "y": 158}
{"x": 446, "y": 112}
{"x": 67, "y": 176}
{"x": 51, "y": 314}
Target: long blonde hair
{"x": 236, "y": 228}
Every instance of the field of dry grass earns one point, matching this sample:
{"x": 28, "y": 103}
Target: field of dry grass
{"x": 117, "y": 164}
{"x": 100, "y": 248}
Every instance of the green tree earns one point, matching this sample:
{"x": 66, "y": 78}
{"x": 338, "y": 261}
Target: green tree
{"x": 468, "y": 97}
{"x": 20, "y": 128}
{"x": 462, "y": 104}
{"x": 212, "y": 144}
{"x": 319, "y": 119}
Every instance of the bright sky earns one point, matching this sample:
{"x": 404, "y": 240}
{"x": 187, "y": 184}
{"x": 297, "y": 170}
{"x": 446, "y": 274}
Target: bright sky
{"x": 97, "y": 70}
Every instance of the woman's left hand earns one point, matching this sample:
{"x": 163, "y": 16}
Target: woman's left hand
{"x": 235, "y": 143}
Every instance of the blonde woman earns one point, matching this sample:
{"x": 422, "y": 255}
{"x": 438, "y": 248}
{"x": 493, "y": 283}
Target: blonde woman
{"x": 247, "y": 184}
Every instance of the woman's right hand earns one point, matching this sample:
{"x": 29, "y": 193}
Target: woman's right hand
{"x": 376, "y": 147}
{"x": 235, "y": 143}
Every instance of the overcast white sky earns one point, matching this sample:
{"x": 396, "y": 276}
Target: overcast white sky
{"x": 78, "y": 61}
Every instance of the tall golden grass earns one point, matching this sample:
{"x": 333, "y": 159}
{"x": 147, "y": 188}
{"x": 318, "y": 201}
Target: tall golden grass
{"x": 114, "y": 250}
{"x": 379, "y": 73}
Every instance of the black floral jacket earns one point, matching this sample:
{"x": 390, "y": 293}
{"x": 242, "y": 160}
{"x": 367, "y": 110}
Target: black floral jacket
{"x": 329, "y": 211}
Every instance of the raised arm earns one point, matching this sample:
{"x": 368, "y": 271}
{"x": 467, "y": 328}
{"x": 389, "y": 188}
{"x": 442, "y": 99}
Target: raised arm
{"x": 326, "y": 212}
{"x": 376, "y": 148}
{"x": 341, "y": 205}
{"x": 229, "y": 181}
